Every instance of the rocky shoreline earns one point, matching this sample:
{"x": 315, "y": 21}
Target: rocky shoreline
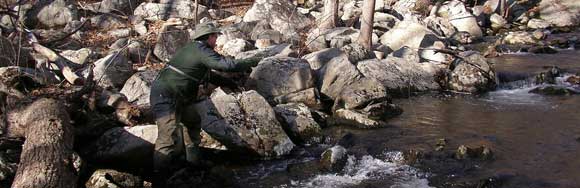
{"x": 98, "y": 58}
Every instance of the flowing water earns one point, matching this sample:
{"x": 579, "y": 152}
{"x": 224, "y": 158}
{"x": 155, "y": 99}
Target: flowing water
{"x": 535, "y": 139}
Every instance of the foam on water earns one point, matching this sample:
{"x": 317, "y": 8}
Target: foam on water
{"x": 390, "y": 168}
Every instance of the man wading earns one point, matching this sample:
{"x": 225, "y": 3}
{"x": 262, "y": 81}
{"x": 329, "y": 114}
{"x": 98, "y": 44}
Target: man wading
{"x": 172, "y": 95}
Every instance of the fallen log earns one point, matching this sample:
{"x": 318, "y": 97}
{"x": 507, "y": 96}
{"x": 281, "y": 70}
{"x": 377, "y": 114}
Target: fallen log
{"x": 46, "y": 158}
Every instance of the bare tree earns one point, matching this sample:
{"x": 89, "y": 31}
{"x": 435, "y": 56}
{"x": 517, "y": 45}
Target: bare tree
{"x": 366, "y": 30}
{"x": 330, "y": 17}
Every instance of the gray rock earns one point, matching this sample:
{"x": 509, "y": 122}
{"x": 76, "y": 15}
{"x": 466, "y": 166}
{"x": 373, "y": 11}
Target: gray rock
{"x": 336, "y": 75}
{"x": 108, "y": 22}
{"x": 351, "y": 10}
{"x": 209, "y": 142}
{"x": 356, "y": 52}
{"x": 558, "y": 14}
{"x": 138, "y": 88}
{"x": 309, "y": 97}
{"x": 244, "y": 123}
{"x": 361, "y": 93}
{"x": 354, "y": 119}
{"x": 555, "y": 90}
{"x": 278, "y": 76}
{"x": 141, "y": 28}
{"x": 113, "y": 179}
{"x": 112, "y": 6}
{"x": 316, "y": 40}
{"x": 520, "y": 38}
{"x": 334, "y": 159}
{"x": 538, "y": 24}
{"x": 297, "y": 120}
{"x": 281, "y": 15}
{"x": 415, "y": 35}
{"x": 119, "y": 33}
{"x": 160, "y": 11}
{"x": 440, "y": 26}
{"x": 56, "y": 13}
{"x": 473, "y": 74}
{"x": 130, "y": 146}
{"x": 460, "y": 17}
{"x": 279, "y": 50}
{"x": 497, "y": 22}
{"x": 383, "y": 111}
{"x": 170, "y": 40}
{"x": 111, "y": 71}
{"x": 399, "y": 76}
{"x": 79, "y": 56}
{"x": 236, "y": 46}
{"x": 318, "y": 59}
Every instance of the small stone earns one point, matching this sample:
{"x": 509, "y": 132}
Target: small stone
{"x": 441, "y": 143}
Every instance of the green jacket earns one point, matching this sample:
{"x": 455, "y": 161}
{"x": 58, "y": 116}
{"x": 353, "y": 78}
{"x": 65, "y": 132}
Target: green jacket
{"x": 196, "y": 60}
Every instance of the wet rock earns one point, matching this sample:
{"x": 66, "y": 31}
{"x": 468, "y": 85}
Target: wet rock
{"x": 548, "y": 76}
{"x": 111, "y": 71}
{"x": 460, "y": 17}
{"x": 413, "y": 156}
{"x": 281, "y": 15}
{"x": 233, "y": 47}
{"x": 384, "y": 110}
{"x": 440, "y": 145}
{"x": 298, "y": 123}
{"x": 171, "y": 38}
{"x": 473, "y": 74}
{"x": 279, "y": 50}
{"x": 278, "y": 76}
{"x": 557, "y": 14}
{"x": 334, "y": 159}
{"x": 542, "y": 50}
{"x": 520, "y": 37}
{"x": 108, "y": 22}
{"x": 52, "y": 13}
{"x": 465, "y": 152}
{"x": 162, "y": 11}
{"x": 244, "y": 123}
{"x": 399, "y": 76}
{"x": 555, "y": 90}
{"x": 318, "y": 59}
{"x": 79, "y": 56}
{"x": 129, "y": 146}
{"x": 310, "y": 97}
{"x": 414, "y": 35}
{"x": 538, "y": 24}
{"x": 354, "y": 119}
{"x": 575, "y": 80}
{"x": 138, "y": 87}
{"x": 112, "y": 179}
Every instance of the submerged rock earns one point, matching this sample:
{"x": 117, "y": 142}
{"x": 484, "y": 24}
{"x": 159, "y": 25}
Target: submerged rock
{"x": 334, "y": 159}
{"x": 555, "y": 90}
{"x": 465, "y": 152}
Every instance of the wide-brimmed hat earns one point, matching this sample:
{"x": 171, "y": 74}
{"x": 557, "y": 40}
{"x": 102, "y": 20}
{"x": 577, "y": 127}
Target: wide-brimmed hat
{"x": 205, "y": 29}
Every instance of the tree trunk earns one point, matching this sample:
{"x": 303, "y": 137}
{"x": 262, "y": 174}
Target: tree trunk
{"x": 366, "y": 29}
{"x": 330, "y": 17}
{"x": 46, "y": 159}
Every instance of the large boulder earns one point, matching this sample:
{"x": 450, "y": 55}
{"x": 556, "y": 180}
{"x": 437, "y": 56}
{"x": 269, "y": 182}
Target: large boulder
{"x": 164, "y": 11}
{"x": 138, "y": 88}
{"x": 336, "y": 75}
{"x": 319, "y": 58}
{"x": 415, "y": 35}
{"x": 560, "y": 13}
{"x": 171, "y": 38}
{"x": 280, "y": 50}
{"x": 472, "y": 73}
{"x": 111, "y": 71}
{"x": 281, "y": 14}
{"x": 130, "y": 146}
{"x": 460, "y": 17}
{"x": 52, "y": 13}
{"x": 236, "y": 46}
{"x": 244, "y": 123}
{"x": 298, "y": 122}
{"x": 113, "y": 179}
{"x": 400, "y": 76}
{"x": 278, "y": 76}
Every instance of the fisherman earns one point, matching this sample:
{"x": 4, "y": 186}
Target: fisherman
{"x": 172, "y": 95}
